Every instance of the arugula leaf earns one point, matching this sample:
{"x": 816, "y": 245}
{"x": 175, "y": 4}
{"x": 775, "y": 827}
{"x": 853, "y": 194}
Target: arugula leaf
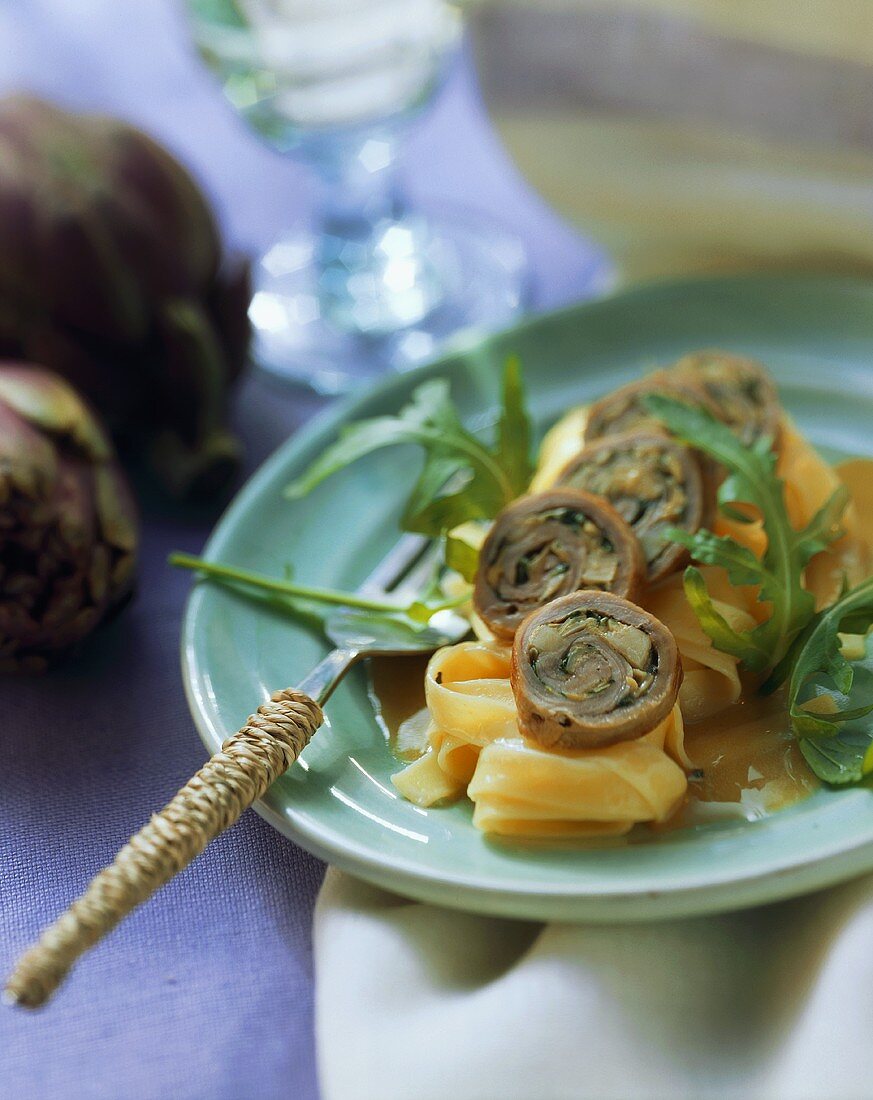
{"x": 751, "y": 480}
{"x": 840, "y": 760}
{"x": 824, "y": 671}
{"x": 741, "y": 564}
{"x": 300, "y": 598}
{"x": 462, "y": 478}
{"x": 839, "y": 748}
{"x": 513, "y": 451}
{"x": 723, "y": 636}
{"x": 824, "y": 526}
{"x": 462, "y": 557}
{"x": 445, "y": 495}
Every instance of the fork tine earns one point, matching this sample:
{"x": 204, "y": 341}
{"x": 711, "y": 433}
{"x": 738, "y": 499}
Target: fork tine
{"x": 396, "y": 564}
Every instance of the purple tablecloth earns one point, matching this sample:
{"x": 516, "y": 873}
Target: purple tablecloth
{"x": 207, "y": 991}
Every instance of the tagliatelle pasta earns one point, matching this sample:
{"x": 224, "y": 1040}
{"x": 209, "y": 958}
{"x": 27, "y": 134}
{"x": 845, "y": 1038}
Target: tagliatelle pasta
{"x": 562, "y": 441}
{"x": 519, "y": 787}
{"x": 809, "y": 482}
{"x": 712, "y": 679}
{"x": 470, "y": 702}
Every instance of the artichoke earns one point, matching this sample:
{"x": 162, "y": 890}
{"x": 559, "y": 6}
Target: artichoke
{"x": 68, "y": 531}
{"x": 111, "y": 275}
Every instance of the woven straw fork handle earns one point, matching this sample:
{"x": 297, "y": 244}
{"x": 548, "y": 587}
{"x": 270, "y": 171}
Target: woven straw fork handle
{"x": 235, "y": 777}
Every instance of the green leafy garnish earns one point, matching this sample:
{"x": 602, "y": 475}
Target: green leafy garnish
{"x": 462, "y": 557}
{"x": 751, "y": 480}
{"x": 462, "y": 478}
{"x": 416, "y": 614}
{"x": 831, "y": 690}
{"x": 513, "y": 429}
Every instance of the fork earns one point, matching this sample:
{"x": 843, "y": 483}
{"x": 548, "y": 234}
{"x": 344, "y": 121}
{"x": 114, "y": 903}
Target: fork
{"x": 235, "y": 777}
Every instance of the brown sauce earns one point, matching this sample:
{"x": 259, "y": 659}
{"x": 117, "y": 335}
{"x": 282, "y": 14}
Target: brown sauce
{"x": 397, "y": 691}
{"x": 745, "y": 748}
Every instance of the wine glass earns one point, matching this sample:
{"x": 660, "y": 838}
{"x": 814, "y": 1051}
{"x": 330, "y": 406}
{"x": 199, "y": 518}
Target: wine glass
{"x": 375, "y": 285}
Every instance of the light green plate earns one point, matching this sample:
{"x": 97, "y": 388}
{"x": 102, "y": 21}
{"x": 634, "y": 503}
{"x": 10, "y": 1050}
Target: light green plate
{"x": 815, "y": 334}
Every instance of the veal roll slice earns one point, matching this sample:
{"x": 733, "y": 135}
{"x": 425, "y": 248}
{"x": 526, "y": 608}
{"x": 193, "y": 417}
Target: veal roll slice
{"x": 742, "y": 393}
{"x": 592, "y": 669}
{"x": 654, "y": 483}
{"x": 549, "y": 544}
{"x": 624, "y": 410}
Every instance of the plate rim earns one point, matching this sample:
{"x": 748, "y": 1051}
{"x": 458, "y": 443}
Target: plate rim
{"x": 498, "y": 896}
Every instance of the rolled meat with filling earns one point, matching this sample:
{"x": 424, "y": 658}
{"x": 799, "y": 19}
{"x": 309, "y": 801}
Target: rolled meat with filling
{"x": 549, "y": 544}
{"x": 592, "y": 669}
{"x": 742, "y": 393}
{"x": 654, "y": 483}
{"x": 624, "y": 409}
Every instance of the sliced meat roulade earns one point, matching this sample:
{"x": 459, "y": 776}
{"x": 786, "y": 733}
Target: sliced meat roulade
{"x": 741, "y": 392}
{"x": 549, "y": 544}
{"x": 624, "y": 410}
{"x": 654, "y": 483}
{"x": 593, "y": 669}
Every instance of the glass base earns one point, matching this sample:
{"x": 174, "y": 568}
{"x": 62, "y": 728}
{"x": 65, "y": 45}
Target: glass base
{"x": 334, "y": 313}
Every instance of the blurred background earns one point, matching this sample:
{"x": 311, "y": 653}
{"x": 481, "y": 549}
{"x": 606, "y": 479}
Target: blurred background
{"x": 676, "y": 135}
{"x": 692, "y": 134}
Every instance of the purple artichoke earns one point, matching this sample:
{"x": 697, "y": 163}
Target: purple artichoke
{"x": 68, "y": 531}
{"x": 111, "y": 275}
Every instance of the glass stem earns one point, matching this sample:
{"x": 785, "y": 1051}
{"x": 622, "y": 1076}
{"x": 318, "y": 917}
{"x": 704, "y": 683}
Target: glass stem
{"x": 360, "y": 185}
{"x": 376, "y": 273}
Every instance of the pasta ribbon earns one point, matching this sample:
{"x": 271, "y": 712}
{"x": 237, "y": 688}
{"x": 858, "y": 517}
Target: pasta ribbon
{"x": 468, "y": 692}
{"x": 809, "y": 483}
{"x": 520, "y": 788}
{"x": 562, "y": 442}
{"x": 712, "y": 680}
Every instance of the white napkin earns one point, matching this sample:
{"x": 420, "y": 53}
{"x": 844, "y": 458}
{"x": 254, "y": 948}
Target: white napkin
{"x": 416, "y": 1002}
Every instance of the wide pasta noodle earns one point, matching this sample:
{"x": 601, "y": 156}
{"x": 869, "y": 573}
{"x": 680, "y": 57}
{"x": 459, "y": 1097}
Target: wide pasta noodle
{"x": 857, "y": 475}
{"x": 520, "y": 788}
{"x": 562, "y": 442}
{"x": 809, "y": 480}
{"x": 809, "y": 483}
{"x": 470, "y": 702}
{"x": 712, "y": 680}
